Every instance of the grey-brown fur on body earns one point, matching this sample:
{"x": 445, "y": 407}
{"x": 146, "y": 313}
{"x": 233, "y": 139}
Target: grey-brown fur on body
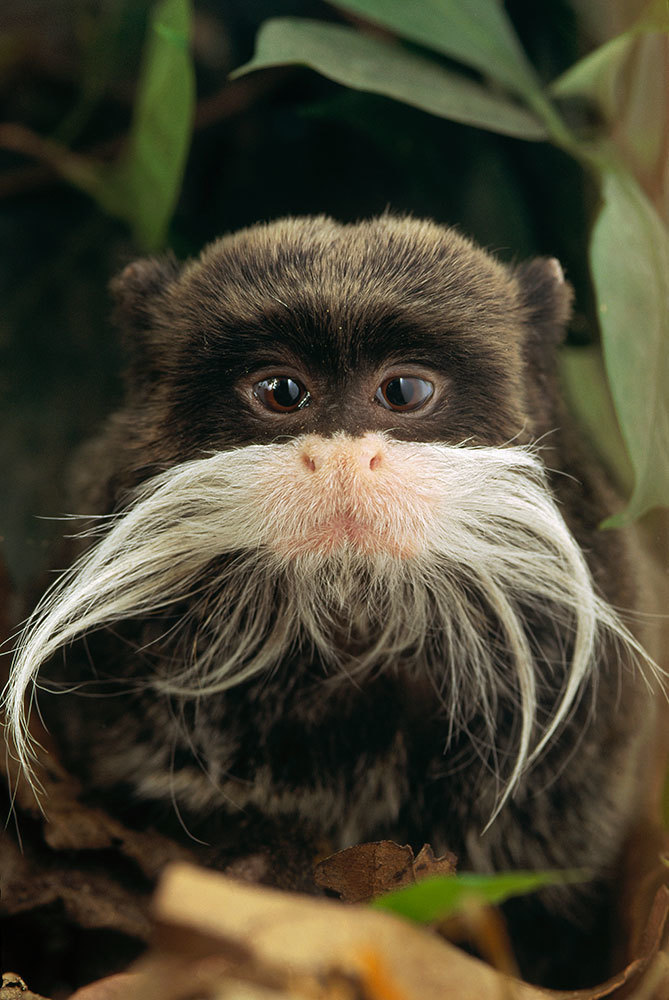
{"x": 361, "y": 760}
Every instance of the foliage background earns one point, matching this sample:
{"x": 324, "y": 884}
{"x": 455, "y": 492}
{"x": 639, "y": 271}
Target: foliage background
{"x": 281, "y": 141}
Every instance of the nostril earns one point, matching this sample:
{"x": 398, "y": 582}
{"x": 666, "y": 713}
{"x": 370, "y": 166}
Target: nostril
{"x": 341, "y": 455}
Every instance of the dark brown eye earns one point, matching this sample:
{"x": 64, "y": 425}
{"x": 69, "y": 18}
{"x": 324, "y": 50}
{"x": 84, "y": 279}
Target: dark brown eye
{"x": 281, "y": 394}
{"x": 404, "y": 392}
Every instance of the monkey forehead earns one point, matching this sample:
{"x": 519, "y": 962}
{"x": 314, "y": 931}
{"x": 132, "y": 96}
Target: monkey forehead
{"x": 350, "y": 290}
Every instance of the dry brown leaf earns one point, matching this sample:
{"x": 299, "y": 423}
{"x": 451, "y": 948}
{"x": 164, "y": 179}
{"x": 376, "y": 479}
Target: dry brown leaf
{"x": 90, "y": 899}
{"x": 12, "y": 987}
{"x": 426, "y": 864}
{"x": 216, "y": 934}
{"x": 300, "y": 947}
{"x": 363, "y": 872}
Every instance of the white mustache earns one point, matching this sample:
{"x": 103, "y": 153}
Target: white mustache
{"x": 455, "y": 529}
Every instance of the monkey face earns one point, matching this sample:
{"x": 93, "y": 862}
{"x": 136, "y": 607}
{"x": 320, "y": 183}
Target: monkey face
{"x": 345, "y": 340}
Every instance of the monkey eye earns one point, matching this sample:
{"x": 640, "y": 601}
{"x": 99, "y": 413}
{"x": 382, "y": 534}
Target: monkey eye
{"x": 281, "y": 394}
{"x": 404, "y": 392}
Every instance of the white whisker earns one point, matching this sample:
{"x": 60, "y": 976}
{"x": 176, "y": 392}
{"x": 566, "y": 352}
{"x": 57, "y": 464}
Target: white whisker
{"x": 492, "y": 561}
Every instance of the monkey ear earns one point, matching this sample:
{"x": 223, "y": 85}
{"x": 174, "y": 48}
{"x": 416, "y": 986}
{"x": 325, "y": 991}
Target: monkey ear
{"x": 138, "y": 292}
{"x": 139, "y": 287}
{"x": 547, "y": 296}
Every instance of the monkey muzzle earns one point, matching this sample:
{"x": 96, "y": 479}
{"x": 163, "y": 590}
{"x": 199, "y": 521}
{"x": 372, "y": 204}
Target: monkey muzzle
{"x": 324, "y": 495}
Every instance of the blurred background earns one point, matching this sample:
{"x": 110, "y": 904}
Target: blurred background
{"x": 277, "y": 142}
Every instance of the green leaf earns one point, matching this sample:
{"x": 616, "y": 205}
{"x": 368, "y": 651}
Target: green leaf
{"x": 475, "y": 32}
{"x": 371, "y": 64}
{"x": 435, "y": 898}
{"x": 142, "y": 187}
{"x": 597, "y": 76}
{"x": 629, "y": 259}
{"x": 642, "y": 126}
{"x": 583, "y": 378}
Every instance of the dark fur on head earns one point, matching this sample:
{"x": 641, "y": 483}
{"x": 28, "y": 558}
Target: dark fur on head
{"x": 360, "y": 728}
{"x": 343, "y": 296}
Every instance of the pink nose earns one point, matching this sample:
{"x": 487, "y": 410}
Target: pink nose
{"x": 364, "y": 454}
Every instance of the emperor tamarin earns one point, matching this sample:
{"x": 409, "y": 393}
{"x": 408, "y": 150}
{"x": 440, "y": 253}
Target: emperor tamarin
{"x": 346, "y": 571}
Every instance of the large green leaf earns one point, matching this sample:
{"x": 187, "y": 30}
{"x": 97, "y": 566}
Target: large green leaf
{"x": 629, "y": 258}
{"x": 475, "y": 32}
{"x": 597, "y": 76}
{"x": 586, "y": 388}
{"x": 642, "y": 130}
{"x": 142, "y": 187}
{"x": 436, "y": 898}
{"x": 380, "y": 67}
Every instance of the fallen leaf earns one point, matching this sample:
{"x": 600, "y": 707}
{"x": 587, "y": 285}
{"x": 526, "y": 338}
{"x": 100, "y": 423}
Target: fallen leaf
{"x": 426, "y": 864}
{"x": 303, "y": 946}
{"x": 365, "y": 871}
{"x": 12, "y": 987}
